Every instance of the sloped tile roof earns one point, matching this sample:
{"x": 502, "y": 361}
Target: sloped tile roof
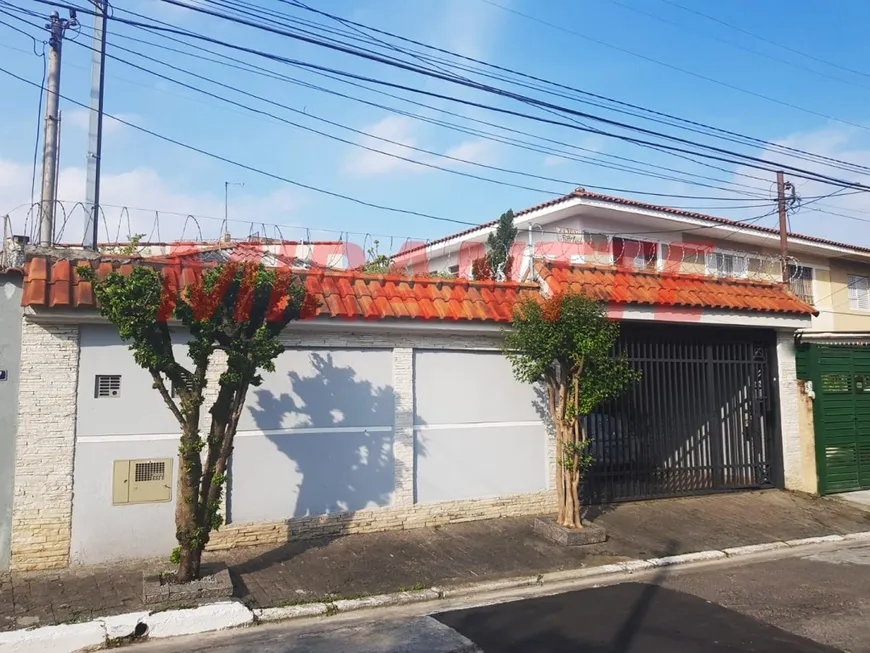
{"x": 342, "y": 294}
{"x": 625, "y": 286}
{"x": 582, "y": 193}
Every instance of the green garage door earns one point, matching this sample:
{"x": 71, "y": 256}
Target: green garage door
{"x": 841, "y": 382}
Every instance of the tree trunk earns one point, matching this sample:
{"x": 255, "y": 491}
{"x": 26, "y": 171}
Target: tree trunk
{"x": 187, "y": 509}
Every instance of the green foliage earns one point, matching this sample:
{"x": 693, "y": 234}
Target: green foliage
{"x": 175, "y": 556}
{"x": 498, "y": 247}
{"x": 568, "y": 336}
{"x": 238, "y": 309}
{"x": 567, "y": 342}
{"x": 130, "y": 248}
{"x": 377, "y": 263}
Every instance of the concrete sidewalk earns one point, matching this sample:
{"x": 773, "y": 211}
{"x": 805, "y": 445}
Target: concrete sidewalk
{"x": 379, "y": 563}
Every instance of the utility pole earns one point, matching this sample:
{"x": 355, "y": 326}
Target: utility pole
{"x": 57, "y": 27}
{"x": 226, "y": 225}
{"x": 781, "y": 187}
{"x": 95, "y": 135}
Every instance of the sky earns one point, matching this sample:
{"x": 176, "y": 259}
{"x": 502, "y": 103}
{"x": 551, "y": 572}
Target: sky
{"x": 656, "y": 54}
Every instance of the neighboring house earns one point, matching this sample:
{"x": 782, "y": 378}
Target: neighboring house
{"x": 592, "y": 230}
{"x": 394, "y": 408}
{"x": 11, "y": 313}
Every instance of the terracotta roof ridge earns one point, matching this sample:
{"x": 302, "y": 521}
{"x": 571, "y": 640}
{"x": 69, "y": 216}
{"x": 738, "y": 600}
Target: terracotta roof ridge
{"x": 582, "y": 193}
{"x": 659, "y": 273}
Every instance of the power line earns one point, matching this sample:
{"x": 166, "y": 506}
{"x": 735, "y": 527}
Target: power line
{"x": 338, "y": 47}
{"x": 252, "y": 168}
{"x": 369, "y": 135}
{"x": 536, "y": 147}
{"x": 539, "y": 103}
{"x": 794, "y": 171}
{"x": 757, "y": 141}
{"x": 737, "y": 45}
{"x": 671, "y": 66}
{"x": 766, "y": 40}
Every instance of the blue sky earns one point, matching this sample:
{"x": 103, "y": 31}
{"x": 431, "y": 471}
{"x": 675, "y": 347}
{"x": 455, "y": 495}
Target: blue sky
{"x": 146, "y": 173}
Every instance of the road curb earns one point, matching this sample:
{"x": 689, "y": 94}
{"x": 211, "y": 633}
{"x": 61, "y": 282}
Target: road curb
{"x": 96, "y": 635}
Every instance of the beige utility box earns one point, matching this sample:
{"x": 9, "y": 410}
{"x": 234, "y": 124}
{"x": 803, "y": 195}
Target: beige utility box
{"x": 142, "y": 481}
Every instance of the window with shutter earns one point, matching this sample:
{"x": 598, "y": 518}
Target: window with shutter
{"x": 801, "y": 282}
{"x": 859, "y": 292}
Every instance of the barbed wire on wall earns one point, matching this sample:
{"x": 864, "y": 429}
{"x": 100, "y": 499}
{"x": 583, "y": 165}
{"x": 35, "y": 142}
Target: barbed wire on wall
{"x": 627, "y": 250}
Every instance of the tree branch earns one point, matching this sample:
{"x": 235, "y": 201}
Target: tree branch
{"x": 167, "y": 397}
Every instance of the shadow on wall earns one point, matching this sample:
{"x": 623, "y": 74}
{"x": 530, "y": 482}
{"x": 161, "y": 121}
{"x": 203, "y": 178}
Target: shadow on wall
{"x": 336, "y": 470}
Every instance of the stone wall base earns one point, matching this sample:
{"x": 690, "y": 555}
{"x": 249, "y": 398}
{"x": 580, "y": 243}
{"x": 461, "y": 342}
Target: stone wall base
{"x": 40, "y": 545}
{"x": 382, "y": 519}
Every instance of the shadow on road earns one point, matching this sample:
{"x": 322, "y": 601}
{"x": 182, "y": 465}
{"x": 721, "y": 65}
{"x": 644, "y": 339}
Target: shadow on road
{"x": 631, "y": 617}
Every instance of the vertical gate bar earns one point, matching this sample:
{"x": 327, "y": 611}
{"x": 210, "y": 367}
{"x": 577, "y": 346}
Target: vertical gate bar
{"x": 681, "y": 391}
{"x": 667, "y": 393}
{"x": 766, "y": 411}
{"x": 741, "y": 380}
{"x": 655, "y": 390}
{"x": 749, "y": 436}
{"x": 667, "y": 400}
{"x": 698, "y": 413}
{"x": 659, "y": 406}
{"x": 652, "y": 416}
{"x": 729, "y": 367}
{"x": 642, "y": 408}
{"x": 715, "y": 438}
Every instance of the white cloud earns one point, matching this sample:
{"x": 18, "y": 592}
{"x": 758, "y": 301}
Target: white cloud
{"x": 400, "y": 129}
{"x": 470, "y": 28}
{"x": 476, "y": 151}
{"x": 845, "y": 144}
{"x": 551, "y": 161}
{"x": 80, "y": 119}
{"x": 145, "y": 191}
{"x": 365, "y": 163}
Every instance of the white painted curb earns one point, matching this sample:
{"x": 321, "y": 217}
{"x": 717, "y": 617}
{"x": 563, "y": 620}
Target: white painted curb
{"x": 815, "y": 540}
{"x": 90, "y": 636}
{"x": 865, "y": 535}
{"x": 64, "y": 638}
{"x": 204, "y": 619}
{"x": 754, "y": 548}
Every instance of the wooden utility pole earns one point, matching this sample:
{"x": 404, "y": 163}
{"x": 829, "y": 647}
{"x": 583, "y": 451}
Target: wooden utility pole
{"x": 783, "y": 225}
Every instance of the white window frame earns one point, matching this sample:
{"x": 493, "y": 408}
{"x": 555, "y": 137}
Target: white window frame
{"x": 855, "y": 294}
{"x": 812, "y": 280}
{"x": 712, "y": 270}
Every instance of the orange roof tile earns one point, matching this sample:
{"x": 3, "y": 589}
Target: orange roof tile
{"x": 653, "y": 288}
{"x": 342, "y": 294}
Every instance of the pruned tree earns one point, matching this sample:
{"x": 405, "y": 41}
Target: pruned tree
{"x": 567, "y": 343}
{"x": 238, "y": 309}
{"x": 497, "y": 262}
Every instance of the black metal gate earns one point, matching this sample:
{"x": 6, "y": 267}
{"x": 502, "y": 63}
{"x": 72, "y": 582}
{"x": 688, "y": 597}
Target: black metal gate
{"x": 700, "y": 420}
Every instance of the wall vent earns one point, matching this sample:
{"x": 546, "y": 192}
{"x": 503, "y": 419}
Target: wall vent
{"x": 142, "y": 481}
{"x": 107, "y": 386}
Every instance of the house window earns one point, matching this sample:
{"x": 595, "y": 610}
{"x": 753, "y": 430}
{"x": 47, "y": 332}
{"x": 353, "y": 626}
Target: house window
{"x": 801, "y": 282}
{"x": 453, "y": 269}
{"x": 859, "y": 292}
{"x": 596, "y": 249}
{"x": 722, "y": 264}
{"x": 636, "y": 254}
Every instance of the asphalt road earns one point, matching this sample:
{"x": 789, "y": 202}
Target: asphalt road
{"x": 816, "y": 603}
